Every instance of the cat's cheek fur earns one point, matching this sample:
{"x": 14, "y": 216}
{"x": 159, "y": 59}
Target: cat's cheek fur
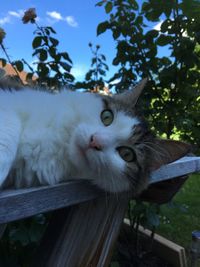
{"x": 104, "y": 168}
{"x": 112, "y": 177}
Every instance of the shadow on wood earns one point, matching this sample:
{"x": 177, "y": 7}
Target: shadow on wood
{"x": 95, "y": 223}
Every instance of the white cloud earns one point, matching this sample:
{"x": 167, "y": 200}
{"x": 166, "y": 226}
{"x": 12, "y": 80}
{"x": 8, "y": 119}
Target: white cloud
{"x": 17, "y": 14}
{"x": 10, "y": 15}
{"x": 55, "y": 15}
{"x": 158, "y": 26}
{"x": 5, "y": 20}
{"x": 71, "y": 21}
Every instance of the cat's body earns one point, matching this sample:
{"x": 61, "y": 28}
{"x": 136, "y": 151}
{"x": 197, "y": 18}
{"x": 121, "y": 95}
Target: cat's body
{"x": 49, "y": 138}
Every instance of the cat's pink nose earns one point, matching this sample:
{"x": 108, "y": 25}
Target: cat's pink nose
{"x": 94, "y": 143}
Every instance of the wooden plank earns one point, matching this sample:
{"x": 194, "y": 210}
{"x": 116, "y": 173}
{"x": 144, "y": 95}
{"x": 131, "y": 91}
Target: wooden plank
{"x": 167, "y": 249}
{"x": 183, "y": 166}
{"x": 23, "y": 203}
{"x": 85, "y": 234}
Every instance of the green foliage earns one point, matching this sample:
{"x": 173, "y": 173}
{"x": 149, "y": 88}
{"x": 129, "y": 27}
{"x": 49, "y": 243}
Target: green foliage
{"x": 176, "y": 225}
{"x": 145, "y": 214}
{"x": 19, "y": 65}
{"x": 3, "y": 61}
{"x": 53, "y": 67}
{"x": 171, "y": 99}
{"x": 20, "y": 240}
{"x": 94, "y": 77}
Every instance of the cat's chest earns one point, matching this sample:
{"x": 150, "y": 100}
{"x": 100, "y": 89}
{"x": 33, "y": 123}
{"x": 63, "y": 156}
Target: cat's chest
{"x": 43, "y": 141}
{"x": 41, "y": 157}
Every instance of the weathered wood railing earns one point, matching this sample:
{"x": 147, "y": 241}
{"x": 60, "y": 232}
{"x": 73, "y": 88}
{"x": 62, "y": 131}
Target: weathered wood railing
{"x": 86, "y": 221}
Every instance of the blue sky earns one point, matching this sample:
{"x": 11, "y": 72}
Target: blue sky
{"x": 74, "y": 21}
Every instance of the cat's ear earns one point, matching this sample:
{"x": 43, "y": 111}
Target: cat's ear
{"x": 131, "y": 96}
{"x": 166, "y": 151}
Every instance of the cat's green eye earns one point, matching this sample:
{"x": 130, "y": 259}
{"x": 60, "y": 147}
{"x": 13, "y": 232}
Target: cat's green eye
{"x": 126, "y": 153}
{"x": 107, "y": 117}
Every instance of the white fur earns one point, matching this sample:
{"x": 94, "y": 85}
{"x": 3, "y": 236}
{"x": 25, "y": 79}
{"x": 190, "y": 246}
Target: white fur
{"x": 44, "y": 138}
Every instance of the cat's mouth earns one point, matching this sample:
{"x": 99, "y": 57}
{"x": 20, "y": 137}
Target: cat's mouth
{"x": 87, "y": 154}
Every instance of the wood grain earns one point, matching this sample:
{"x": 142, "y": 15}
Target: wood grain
{"x": 23, "y": 203}
{"x": 181, "y": 167}
{"x": 85, "y": 234}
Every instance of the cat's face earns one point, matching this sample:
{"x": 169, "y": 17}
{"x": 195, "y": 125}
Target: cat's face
{"x": 113, "y": 146}
{"x": 106, "y": 146}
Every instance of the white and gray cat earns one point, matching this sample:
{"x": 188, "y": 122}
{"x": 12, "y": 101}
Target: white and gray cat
{"x": 48, "y": 138}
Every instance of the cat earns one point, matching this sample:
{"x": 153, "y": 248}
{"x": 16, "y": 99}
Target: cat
{"x": 49, "y": 138}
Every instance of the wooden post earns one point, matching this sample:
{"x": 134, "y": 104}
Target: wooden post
{"x": 83, "y": 235}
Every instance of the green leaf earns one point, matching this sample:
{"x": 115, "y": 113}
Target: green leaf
{"x": 146, "y": 6}
{"x": 103, "y": 57}
{"x": 116, "y": 34}
{"x": 57, "y": 57}
{"x": 116, "y": 77}
{"x": 37, "y": 41}
{"x": 102, "y": 27}
{"x": 36, "y": 52}
{"x": 47, "y": 31}
{"x": 43, "y": 55}
{"x": 65, "y": 55}
{"x": 100, "y": 3}
{"x": 165, "y": 61}
{"x": 166, "y": 25}
{"x": 3, "y": 62}
{"x": 134, "y": 4}
{"x": 116, "y": 61}
{"x": 94, "y": 61}
{"x": 191, "y": 8}
{"x": 51, "y": 29}
{"x": 29, "y": 76}
{"x": 168, "y": 9}
{"x": 65, "y": 66}
{"x": 69, "y": 76}
{"x": 19, "y": 65}
{"x": 152, "y": 54}
{"x": 102, "y": 72}
{"x": 88, "y": 75}
{"x": 164, "y": 40}
{"x": 108, "y": 7}
{"x": 139, "y": 20}
{"x": 52, "y": 51}
{"x": 54, "y": 41}
{"x": 54, "y": 67}
{"x": 152, "y": 33}
{"x": 43, "y": 70}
